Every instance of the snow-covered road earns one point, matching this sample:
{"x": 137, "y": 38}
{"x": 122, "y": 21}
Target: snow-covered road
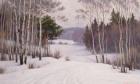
{"x": 80, "y": 70}
{"x": 71, "y": 73}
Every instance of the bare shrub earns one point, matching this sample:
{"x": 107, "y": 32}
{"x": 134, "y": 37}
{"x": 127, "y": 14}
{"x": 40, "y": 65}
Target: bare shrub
{"x": 108, "y": 61}
{"x": 57, "y": 55}
{"x": 131, "y": 62}
{"x": 60, "y": 43}
{"x": 3, "y": 57}
{"x": 49, "y": 54}
{"x": 31, "y": 66}
{"x": 137, "y": 64}
{"x": 134, "y": 62}
{"x": 65, "y": 43}
{"x": 67, "y": 59}
{"x": 2, "y": 70}
{"x": 116, "y": 63}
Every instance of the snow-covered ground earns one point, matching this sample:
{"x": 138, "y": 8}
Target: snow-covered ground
{"x": 62, "y": 41}
{"x": 81, "y": 69}
{"x": 75, "y": 52}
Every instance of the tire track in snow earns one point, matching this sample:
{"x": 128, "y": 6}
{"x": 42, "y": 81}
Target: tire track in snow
{"x": 73, "y": 76}
{"x": 46, "y": 78}
{"x": 70, "y": 78}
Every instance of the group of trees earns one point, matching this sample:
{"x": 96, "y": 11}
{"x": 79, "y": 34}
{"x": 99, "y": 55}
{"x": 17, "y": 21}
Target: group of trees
{"x": 111, "y": 42}
{"x": 24, "y": 24}
{"x": 120, "y": 35}
{"x": 111, "y": 32}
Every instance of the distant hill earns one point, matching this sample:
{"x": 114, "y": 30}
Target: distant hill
{"x": 75, "y": 34}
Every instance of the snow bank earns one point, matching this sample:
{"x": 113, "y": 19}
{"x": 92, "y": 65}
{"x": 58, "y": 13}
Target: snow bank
{"x": 11, "y": 66}
{"x": 71, "y": 73}
{"x": 81, "y": 69}
{"x": 62, "y": 41}
{"x": 43, "y": 62}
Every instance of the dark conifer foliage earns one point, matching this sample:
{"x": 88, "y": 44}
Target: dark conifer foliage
{"x": 129, "y": 43}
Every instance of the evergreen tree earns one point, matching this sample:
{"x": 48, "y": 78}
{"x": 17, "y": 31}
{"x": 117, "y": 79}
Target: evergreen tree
{"x": 115, "y": 17}
{"x": 51, "y": 30}
{"x": 88, "y": 38}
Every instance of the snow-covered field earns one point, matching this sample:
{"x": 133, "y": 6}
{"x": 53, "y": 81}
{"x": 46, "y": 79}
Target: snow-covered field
{"x": 81, "y": 69}
{"x": 76, "y": 52}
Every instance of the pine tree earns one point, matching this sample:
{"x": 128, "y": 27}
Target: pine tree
{"x": 88, "y": 39}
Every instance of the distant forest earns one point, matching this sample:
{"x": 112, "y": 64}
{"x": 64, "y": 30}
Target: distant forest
{"x": 121, "y": 36}
{"x": 109, "y": 34}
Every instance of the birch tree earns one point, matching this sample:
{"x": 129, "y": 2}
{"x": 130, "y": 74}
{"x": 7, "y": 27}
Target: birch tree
{"x": 94, "y": 7}
{"x": 87, "y": 14}
{"x": 25, "y": 14}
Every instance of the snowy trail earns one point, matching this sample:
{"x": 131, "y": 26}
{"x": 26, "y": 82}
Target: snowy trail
{"x": 74, "y": 52}
{"x": 71, "y": 73}
{"x": 80, "y": 70}
{"x": 78, "y": 53}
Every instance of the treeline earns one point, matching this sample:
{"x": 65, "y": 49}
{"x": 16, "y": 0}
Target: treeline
{"x": 25, "y": 31}
{"x": 120, "y": 35}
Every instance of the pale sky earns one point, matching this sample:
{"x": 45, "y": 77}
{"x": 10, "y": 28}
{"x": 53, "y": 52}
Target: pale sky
{"x": 70, "y": 12}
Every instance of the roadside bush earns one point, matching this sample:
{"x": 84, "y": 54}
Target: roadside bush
{"x": 137, "y": 64}
{"x": 130, "y": 62}
{"x": 2, "y": 70}
{"x": 67, "y": 59}
{"x": 134, "y": 62}
{"x": 49, "y": 54}
{"x": 31, "y": 66}
{"x": 60, "y": 43}
{"x": 3, "y": 57}
{"x": 57, "y": 55}
{"x": 108, "y": 61}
